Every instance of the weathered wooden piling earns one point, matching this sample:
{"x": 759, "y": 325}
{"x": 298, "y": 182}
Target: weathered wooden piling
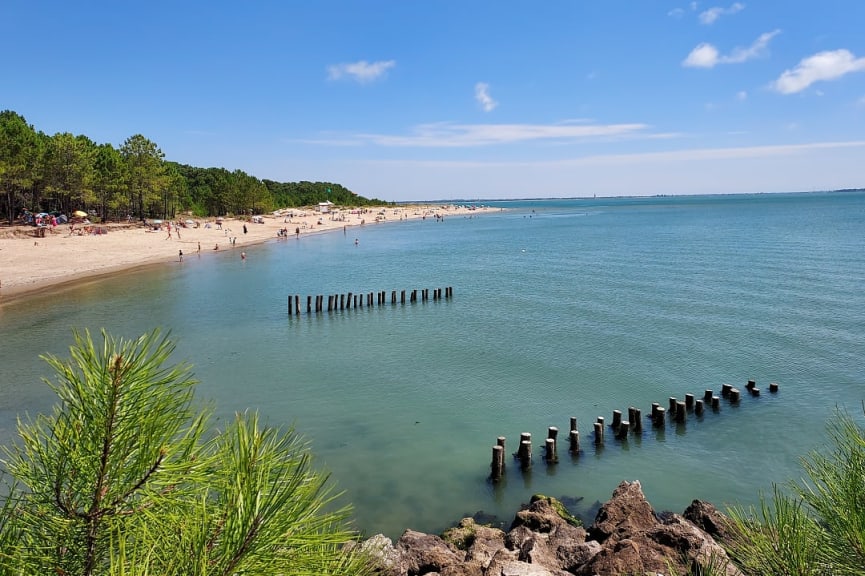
{"x": 773, "y": 387}
{"x": 573, "y": 423}
{"x": 599, "y": 433}
{"x": 524, "y": 454}
{"x": 637, "y": 426}
{"x": 734, "y": 395}
{"x": 681, "y": 412}
{"x": 574, "y": 439}
{"x": 716, "y": 403}
{"x": 550, "y": 454}
{"x": 707, "y": 396}
{"x": 655, "y": 406}
{"x": 497, "y": 467}
{"x": 672, "y": 408}
{"x": 289, "y": 305}
{"x": 751, "y": 384}
{"x": 622, "y": 432}
{"x": 725, "y": 389}
{"x": 660, "y": 417}
{"x": 402, "y": 297}
{"x": 689, "y": 402}
{"x": 698, "y": 407}
{"x": 617, "y": 420}
{"x": 393, "y": 297}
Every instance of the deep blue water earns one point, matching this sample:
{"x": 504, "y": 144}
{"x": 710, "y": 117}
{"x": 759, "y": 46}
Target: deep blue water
{"x": 561, "y": 308}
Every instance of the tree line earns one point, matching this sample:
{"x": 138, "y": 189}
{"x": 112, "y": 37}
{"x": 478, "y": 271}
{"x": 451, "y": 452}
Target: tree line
{"x": 66, "y": 172}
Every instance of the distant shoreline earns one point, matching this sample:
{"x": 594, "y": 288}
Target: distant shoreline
{"x": 31, "y": 265}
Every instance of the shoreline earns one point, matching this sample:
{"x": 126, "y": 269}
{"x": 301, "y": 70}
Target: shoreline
{"x": 32, "y": 266}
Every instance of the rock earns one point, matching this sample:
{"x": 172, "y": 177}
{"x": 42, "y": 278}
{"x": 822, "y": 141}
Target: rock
{"x": 627, "y": 537}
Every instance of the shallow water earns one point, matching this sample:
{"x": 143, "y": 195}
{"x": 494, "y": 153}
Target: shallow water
{"x": 561, "y": 308}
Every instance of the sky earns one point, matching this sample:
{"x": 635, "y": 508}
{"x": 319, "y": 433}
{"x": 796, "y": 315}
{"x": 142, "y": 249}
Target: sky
{"x": 459, "y": 99}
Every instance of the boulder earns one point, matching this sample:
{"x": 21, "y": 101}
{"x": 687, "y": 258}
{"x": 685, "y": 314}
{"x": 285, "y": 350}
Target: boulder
{"x": 627, "y": 537}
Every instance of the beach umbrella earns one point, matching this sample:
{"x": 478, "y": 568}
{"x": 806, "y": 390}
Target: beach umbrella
{"x": 80, "y": 213}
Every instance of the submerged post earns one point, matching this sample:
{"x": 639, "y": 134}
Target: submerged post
{"x": 574, "y": 442}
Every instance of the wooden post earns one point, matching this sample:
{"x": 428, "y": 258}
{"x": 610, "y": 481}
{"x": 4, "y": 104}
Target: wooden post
{"x": 716, "y": 403}
{"x": 622, "y": 433}
{"x": 698, "y": 408}
{"x": 773, "y": 387}
{"x": 402, "y": 297}
{"x": 632, "y": 414}
{"x": 681, "y": 412}
{"x": 638, "y": 421}
{"x": 289, "y": 305}
{"x": 550, "y": 456}
{"x": 393, "y": 297}
{"x": 655, "y": 407}
{"x": 734, "y": 395}
{"x": 297, "y": 304}
{"x": 501, "y": 441}
{"x": 525, "y": 452}
{"x": 672, "y": 408}
{"x": 689, "y": 401}
{"x": 755, "y": 391}
{"x": 573, "y": 423}
{"x": 498, "y": 464}
{"x": 575, "y": 441}
{"x": 707, "y": 396}
{"x": 750, "y": 384}
{"x": 342, "y": 301}
{"x": 330, "y": 302}
{"x": 617, "y": 420}
{"x": 599, "y": 433}
{"x": 348, "y": 301}
{"x": 725, "y": 390}
{"x": 553, "y": 434}
{"x": 660, "y": 418}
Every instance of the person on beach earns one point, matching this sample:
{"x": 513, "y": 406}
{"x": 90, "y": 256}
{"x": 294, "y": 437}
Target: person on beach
{"x": 297, "y": 231}
{"x": 199, "y": 246}
{"x": 243, "y": 255}
{"x": 244, "y": 228}
{"x": 180, "y": 254}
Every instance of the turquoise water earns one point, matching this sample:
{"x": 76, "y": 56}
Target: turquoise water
{"x": 561, "y": 308}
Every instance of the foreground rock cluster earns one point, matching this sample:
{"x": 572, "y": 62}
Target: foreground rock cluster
{"x": 627, "y": 537}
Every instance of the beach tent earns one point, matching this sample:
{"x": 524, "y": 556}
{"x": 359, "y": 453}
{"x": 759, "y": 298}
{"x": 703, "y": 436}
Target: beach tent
{"x": 324, "y": 207}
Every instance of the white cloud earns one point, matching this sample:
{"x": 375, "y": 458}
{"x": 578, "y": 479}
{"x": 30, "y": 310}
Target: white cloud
{"x": 712, "y": 14}
{"x": 361, "y": 71}
{"x": 823, "y": 66}
{"x": 676, "y": 13}
{"x": 482, "y": 95}
{"x": 450, "y": 135}
{"x": 741, "y": 96}
{"x": 707, "y": 56}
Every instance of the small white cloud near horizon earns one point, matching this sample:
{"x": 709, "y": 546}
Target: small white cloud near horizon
{"x": 821, "y": 67}
{"x": 707, "y": 56}
{"x": 482, "y": 95}
{"x": 712, "y": 14}
{"x": 360, "y": 71}
{"x": 452, "y": 135}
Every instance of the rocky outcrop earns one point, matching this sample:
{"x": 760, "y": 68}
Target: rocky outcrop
{"x": 627, "y": 537}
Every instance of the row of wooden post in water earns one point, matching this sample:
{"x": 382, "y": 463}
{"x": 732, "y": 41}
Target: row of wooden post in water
{"x": 350, "y": 300}
{"x": 677, "y": 412}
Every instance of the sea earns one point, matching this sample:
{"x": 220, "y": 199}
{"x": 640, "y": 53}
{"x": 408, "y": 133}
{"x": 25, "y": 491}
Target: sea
{"x": 560, "y": 309}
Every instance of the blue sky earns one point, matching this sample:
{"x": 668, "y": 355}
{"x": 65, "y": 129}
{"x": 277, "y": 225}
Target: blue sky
{"x": 424, "y": 100}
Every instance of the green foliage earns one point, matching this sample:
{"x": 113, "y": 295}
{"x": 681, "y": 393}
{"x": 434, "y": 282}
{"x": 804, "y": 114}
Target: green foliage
{"x": 121, "y": 480}
{"x": 818, "y": 525}
{"x": 66, "y": 172}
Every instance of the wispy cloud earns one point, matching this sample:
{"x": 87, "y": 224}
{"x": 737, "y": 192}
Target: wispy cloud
{"x": 822, "y": 66}
{"x": 741, "y": 96}
{"x": 712, "y": 14}
{"x": 361, "y": 71}
{"x": 706, "y": 55}
{"x": 482, "y": 95}
{"x": 451, "y": 135}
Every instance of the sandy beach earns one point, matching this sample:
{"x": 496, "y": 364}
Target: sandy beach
{"x": 30, "y": 263}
